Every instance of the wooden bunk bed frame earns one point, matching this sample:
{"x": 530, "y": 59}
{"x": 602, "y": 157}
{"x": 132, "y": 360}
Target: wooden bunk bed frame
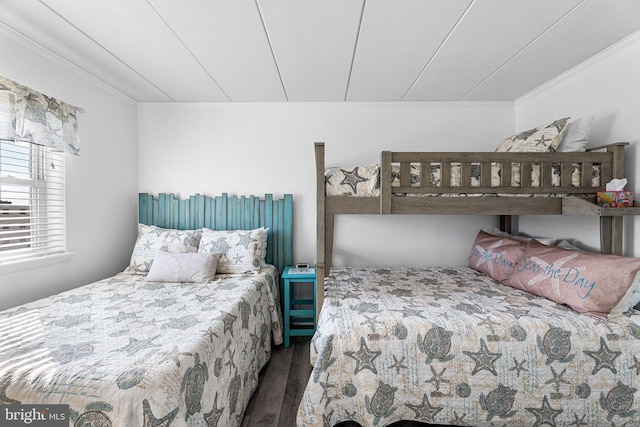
{"x": 575, "y": 200}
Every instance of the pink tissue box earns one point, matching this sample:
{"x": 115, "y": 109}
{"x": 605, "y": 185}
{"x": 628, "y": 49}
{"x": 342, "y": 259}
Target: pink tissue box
{"x": 615, "y": 199}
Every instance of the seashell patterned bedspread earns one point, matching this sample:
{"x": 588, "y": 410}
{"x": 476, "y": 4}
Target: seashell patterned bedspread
{"x": 452, "y": 346}
{"x": 126, "y": 352}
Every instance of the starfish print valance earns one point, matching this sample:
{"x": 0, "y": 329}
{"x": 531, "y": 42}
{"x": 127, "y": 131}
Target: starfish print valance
{"x": 30, "y": 116}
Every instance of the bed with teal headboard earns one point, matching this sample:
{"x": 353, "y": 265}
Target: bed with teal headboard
{"x": 178, "y": 338}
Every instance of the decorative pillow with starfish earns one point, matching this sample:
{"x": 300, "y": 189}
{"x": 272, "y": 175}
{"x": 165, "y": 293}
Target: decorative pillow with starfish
{"x": 151, "y": 239}
{"x": 590, "y": 283}
{"x": 541, "y": 139}
{"x": 496, "y": 256}
{"x": 243, "y": 250}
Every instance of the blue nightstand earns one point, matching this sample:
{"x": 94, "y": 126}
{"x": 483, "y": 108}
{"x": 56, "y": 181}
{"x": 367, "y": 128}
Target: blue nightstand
{"x": 293, "y": 315}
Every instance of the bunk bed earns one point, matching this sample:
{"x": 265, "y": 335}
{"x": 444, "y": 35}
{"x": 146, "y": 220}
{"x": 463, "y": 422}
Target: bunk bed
{"x": 176, "y": 339}
{"x": 459, "y": 346}
{"x": 397, "y": 194}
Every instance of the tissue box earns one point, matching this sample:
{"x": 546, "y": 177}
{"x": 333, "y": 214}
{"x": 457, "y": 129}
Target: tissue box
{"x": 615, "y": 199}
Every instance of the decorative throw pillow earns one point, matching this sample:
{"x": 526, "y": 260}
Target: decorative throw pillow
{"x": 590, "y": 283}
{"x": 541, "y": 139}
{"x": 151, "y": 239}
{"x": 359, "y": 181}
{"x": 495, "y": 256}
{"x": 243, "y": 250}
{"x": 185, "y": 267}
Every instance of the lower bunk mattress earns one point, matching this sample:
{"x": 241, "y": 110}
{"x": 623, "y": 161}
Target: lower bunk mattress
{"x": 128, "y": 352}
{"x": 452, "y": 346}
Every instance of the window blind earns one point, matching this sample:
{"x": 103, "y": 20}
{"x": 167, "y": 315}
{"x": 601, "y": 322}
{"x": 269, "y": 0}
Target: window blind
{"x": 32, "y": 201}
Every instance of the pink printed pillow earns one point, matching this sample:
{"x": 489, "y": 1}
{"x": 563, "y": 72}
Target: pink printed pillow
{"x": 495, "y": 256}
{"x": 590, "y": 283}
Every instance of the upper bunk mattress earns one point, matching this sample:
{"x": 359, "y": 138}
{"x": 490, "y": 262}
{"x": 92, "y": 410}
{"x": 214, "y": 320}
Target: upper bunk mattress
{"x": 364, "y": 181}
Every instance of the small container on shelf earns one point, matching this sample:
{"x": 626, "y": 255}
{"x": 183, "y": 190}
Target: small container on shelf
{"x": 614, "y": 199}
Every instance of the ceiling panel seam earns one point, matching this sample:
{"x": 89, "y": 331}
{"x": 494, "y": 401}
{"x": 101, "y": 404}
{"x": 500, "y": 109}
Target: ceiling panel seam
{"x": 213, "y": 79}
{"x": 273, "y": 54}
{"x": 106, "y": 50}
{"x": 444, "y": 41}
{"x": 525, "y": 47}
{"x": 355, "y": 49}
{"x": 24, "y": 39}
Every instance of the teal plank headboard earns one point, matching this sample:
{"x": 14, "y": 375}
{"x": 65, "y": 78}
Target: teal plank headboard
{"x": 226, "y": 213}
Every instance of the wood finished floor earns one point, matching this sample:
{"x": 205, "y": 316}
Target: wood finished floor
{"x": 280, "y": 388}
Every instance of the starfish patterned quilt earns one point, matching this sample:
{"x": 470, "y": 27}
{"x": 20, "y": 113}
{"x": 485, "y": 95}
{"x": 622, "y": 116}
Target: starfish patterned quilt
{"x": 452, "y": 346}
{"x": 127, "y": 352}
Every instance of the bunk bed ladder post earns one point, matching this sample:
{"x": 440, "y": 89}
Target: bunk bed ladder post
{"x": 321, "y": 226}
{"x": 506, "y": 223}
{"x": 385, "y": 182}
{"x": 611, "y": 227}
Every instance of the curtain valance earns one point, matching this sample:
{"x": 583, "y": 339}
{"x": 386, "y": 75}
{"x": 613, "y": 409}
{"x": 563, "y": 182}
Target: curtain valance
{"x": 30, "y": 116}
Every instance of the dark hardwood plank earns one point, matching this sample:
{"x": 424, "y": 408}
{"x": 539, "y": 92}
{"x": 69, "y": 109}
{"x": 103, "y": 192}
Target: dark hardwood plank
{"x": 296, "y": 383}
{"x": 268, "y": 399}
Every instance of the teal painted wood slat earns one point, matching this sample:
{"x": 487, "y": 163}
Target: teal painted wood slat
{"x": 191, "y": 218}
{"x": 182, "y": 220}
{"x": 209, "y": 213}
{"x": 287, "y": 230}
{"x": 257, "y": 209}
{"x": 276, "y": 233}
{"x": 161, "y": 210}
{"x": 240, "y": 213}
{"x": 200, "y": 214}
{"x": 224, "y": 208}
{"x": 249, "y": 212}
{"x": 218, "y": 215}
{"x": 246, "y": 213}
{"x": 268, "y": 223}
{"x": 175, "y": 204}
{"x": 155, "y": 213}
{"x": 235, "y": 213}
{"x": 143, "y": 216}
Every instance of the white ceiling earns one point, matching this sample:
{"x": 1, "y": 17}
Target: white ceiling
{"x": 322, "y": 50}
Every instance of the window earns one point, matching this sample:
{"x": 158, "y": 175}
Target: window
{"x": 32, "y": 214}
{"x": 36, "y": 131}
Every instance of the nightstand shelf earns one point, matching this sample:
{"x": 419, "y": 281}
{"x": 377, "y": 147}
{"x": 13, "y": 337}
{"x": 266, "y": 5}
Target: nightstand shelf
{"x": 298, "y": 321}
{"x": 611, "y": 231}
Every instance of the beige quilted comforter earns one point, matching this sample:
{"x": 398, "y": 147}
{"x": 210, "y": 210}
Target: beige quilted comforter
{"x": 452, "y": 346}
{"x": 127, "y": 352}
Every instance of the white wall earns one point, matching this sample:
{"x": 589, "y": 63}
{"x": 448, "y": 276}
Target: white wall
{"x": 607, "y": 86}
{"x": 259, "y": 148}
{"x": 101, "y": 183}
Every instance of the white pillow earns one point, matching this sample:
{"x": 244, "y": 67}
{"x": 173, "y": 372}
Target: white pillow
{"x": 576, "y": 137}
{"x": 549, "y": 241}
{"x": 629, "y": 300}
{"x": 565, "y": 244}
{"x": 187, "y": 267}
